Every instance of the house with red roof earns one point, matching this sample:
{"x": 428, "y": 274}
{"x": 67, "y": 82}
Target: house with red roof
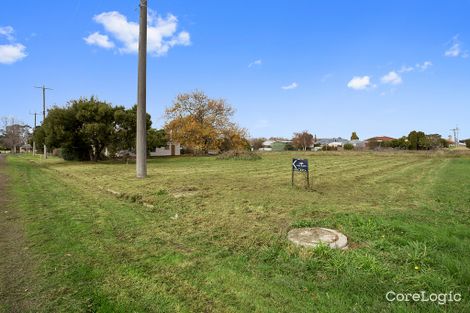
{"x": 381, "y": 139}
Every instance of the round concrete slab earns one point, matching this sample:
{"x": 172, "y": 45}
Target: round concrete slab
{"x": 313, "y": 236}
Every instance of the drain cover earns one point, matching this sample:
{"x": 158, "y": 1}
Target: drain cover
{"x": 312, "y": 237}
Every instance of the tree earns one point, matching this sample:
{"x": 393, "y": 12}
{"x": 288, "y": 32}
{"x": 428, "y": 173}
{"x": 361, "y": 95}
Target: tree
{"x": 234, "y": 138}
{"x": 86, "y": 127}
{"x": 156, "y": 138}
{"x": 400, "y": 143}
{"x": 467, "y": 143}
{"x": 257, "y": 143}
{"x": 435, "y": 141}
{"x": 200, "y": 123}
{"x": 417, "y": 140}
{"x": 82, "y": 129}
{"x": 14, "y": 133}
{"x": 39, "y": 136}
{"x": 354, "y": 136}
{"x": 126, "y": 128}
{"x": 302, "y": 140}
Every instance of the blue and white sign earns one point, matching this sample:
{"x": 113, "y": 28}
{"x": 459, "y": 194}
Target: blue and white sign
{"x": 300, "y": 165}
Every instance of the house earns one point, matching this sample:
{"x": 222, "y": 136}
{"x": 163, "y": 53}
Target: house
{"x": 267, "y": 146}
{"x": 358, "y": 144}
{"x": 376, "y": 142}
{"x": 171, "y": 149}
{"x": 380, "y": 139}
{"x": 331, "y": 142}
{"x": 26, "y": 148}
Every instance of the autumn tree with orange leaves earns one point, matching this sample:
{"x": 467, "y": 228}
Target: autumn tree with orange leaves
{"x": 202, "y": 124}
{"x": 302, "y": 140}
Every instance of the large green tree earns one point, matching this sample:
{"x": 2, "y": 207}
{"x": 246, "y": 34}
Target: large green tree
{"x": 156, "y": 138}
{"x": 82, "y": 129}
{"x": 417, "y": 140}
{"x": 125, "y": 129}
{"x": 86, "y": 127}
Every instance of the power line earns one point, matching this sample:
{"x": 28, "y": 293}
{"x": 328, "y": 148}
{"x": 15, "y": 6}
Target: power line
{"x": 44, "y": 88}
{"x": 141, "y": 137}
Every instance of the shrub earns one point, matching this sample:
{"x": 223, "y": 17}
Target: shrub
{"x": 329, "y": 148}
{"x": 348, "y": 146}
{"x": 239, "y": 155}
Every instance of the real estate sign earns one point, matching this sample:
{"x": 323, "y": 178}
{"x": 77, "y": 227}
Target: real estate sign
{"x": 300, "y": 165}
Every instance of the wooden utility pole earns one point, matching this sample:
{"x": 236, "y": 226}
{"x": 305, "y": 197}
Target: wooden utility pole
{"x": 34, "y": 129}
{"x": 456, "y": 135}
{"x": 141, "y": 144}
{"x": 44, "y": 88}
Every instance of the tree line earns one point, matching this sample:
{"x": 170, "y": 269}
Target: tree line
{"x": 415, "y": 140}
{"x": 85, "y": 128}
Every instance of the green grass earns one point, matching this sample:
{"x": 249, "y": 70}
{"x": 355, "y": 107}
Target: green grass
{"x": 207, "y": 235}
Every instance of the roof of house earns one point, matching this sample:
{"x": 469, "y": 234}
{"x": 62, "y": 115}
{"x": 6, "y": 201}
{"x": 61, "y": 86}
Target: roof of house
{"x": 270, "y": 142}
{"x": 381, "y": 138}
{"x": 324, "y": 141}
{"x": 336, "y": 143}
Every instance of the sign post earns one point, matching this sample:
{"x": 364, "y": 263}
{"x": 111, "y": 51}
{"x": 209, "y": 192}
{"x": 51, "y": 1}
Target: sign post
{"x": 300, "y": 165}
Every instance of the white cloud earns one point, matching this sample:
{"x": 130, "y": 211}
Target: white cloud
{"x": 12, "y": 53}
{"x": 255, "y": 63}
{"x": 406, "y": 69}
{"x": 391, "y": 78}
{"x": 359, "y": 82}
{"x": 291, "y": 86}
{"x": 99, "y": 40}
{"x": 161, "y": 32}
{"x": 7, "y": 31}
{"x": 419, "y": 66}
{"x": 455, "y": 49}
{"x": 424, "y": 66}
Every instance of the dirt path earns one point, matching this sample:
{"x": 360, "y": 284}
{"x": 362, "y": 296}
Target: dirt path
{"x": 15, "y": 262}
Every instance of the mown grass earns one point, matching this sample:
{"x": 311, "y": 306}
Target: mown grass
{"x": 207, "y": 235}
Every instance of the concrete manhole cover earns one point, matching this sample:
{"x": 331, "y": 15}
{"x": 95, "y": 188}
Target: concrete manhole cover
{"x": 312, "y": 237}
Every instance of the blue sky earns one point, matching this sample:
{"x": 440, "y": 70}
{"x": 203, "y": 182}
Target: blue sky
{"x": 330, "y": 67}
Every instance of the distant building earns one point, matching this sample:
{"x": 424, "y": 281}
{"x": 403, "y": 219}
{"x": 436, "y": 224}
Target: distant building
{"x": 331, "y": 142}
{"x": 358, "y": 144}
{"x": 381, "y": 139}
{"x": 171, "y": 149}
{"x": 26, "y": 148}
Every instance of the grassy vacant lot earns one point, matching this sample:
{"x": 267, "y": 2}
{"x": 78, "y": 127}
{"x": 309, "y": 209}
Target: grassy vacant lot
{"x": 207, "y": 235}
